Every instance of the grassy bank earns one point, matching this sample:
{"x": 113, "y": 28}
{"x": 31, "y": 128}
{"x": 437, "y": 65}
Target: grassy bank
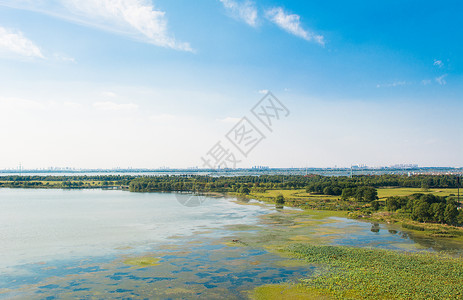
{"x": 300, "y": 198}
{"x": 418, "y": 228}
{"x": 357, "y": 273}
{"x": 309, "y": 201}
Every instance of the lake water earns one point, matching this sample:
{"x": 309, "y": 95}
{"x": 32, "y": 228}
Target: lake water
{"x": 116, "y": 244}
{"x": 43, "y": 224}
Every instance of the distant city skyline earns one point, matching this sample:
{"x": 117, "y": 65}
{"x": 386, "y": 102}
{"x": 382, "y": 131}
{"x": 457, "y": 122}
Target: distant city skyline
{"x": 141, "y": 83}
{"x": 354, "y": 166}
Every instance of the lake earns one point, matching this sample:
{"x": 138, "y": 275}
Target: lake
{"x": 117, "y": 244}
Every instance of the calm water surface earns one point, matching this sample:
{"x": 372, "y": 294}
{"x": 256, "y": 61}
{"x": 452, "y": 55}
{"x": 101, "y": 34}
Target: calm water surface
{"x": 38, "y": 225}
{"x": 77, "y": 243}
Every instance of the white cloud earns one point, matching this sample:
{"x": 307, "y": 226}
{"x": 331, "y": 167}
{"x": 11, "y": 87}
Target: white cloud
{"x": 438, "y": 63}
{"x": 19, "y": 104}
{"x": 292, "y": 24}
{"x": 162, "y": 118}
{"x": 14, "y": 42}
{"x": 109, "y": 94}
{"x": 245, "y": 10}
{"x": 263, "y": 92}
{"x": 64, "y": 58}
{"x": 134, "y": 18}
{"x": 229, "y": 120}
{"x": 441, "y": 79}
{"x": 112, "y": 106}
{"x": 72, "y": 105}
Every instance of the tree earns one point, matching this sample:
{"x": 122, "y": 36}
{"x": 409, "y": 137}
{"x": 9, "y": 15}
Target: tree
{"x": 337, "y": 191}
{"x": 328, "y": 190}
{"x": 366, "y": 194}
{"x": 392, "y": 203}
{"x": 424, "y": 186}
{"x": 280, "y": 199}
{"x": 347, "y": 193}
{"x": 436, "y": 211}
{"x": 370, "y": 194}
{"x": 420, "y": 211}
{"x": 374, "y": 205}
{"x": 450, "y": 213}
{"x": 460, "y": 217}
{"x": 244, "y": 190}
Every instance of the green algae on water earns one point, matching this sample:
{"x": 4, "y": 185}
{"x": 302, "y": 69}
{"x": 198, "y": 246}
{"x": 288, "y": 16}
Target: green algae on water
{"x": 145, "y": 261}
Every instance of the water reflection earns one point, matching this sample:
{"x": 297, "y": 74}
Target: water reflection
{"x": 375, "y": 228}
{"x": 348, "y": 232}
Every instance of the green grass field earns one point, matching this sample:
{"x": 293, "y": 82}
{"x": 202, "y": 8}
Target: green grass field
{"x": 389, "y": 192}
{"x": 300, "y": 194}
{"x": 382, "y": 193}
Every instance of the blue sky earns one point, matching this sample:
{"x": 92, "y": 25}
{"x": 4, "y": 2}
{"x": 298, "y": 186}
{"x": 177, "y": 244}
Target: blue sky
{"x": 140, "y": 83}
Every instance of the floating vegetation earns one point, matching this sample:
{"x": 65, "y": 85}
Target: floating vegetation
{"x": 203, "y": 232}
{"x": 235, "y": 243}
{"x": 300, "y": 238}
{"x": 242, "y": 227}
{"x": 359, "y": 273}
{"x": 285, "y": 291}
{"x": 144, "y": 261}
{"x": 291, "y": 263}
{"x": 124, "y": 248}
{"x": 177, "y": 290}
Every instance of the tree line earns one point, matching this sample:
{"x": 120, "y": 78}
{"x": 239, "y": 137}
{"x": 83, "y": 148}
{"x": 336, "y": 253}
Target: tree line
{"x": 427, "y": 208}
{"x": 360, "y": 190}
{"x": 318, "y": 184}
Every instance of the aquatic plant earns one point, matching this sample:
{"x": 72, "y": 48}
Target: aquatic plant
{"x": 359, "y": 273}
{"x": 144, "y": 261}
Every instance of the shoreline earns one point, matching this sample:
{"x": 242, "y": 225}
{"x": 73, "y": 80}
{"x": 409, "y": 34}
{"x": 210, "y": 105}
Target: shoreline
{"x": 431, "y": 230}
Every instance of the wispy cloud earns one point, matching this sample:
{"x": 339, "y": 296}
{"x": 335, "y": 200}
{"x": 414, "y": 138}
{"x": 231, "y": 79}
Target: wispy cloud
{"x": 14, "y": 42}
{"x": 64, "y": 58}
{"x": 245, "y": 10}
{"x": 441, "y": 79}
{"x": 17, "y": 104}
{"x": 263, "y": 92}
{"x": 438, "y": 63}
{"x": 109, "y": 94}
{"x": 392, "y": 84}
{"x": 426, "y": 81}
{"x": 134, "y": 18}
{"x": 20, "y": 105}
{"x": 112, "y": 106}
{"x": 292, "y": 24}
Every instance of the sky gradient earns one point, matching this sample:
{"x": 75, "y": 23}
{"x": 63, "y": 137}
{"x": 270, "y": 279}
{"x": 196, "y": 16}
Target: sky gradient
{"x": 148, "y": 84}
